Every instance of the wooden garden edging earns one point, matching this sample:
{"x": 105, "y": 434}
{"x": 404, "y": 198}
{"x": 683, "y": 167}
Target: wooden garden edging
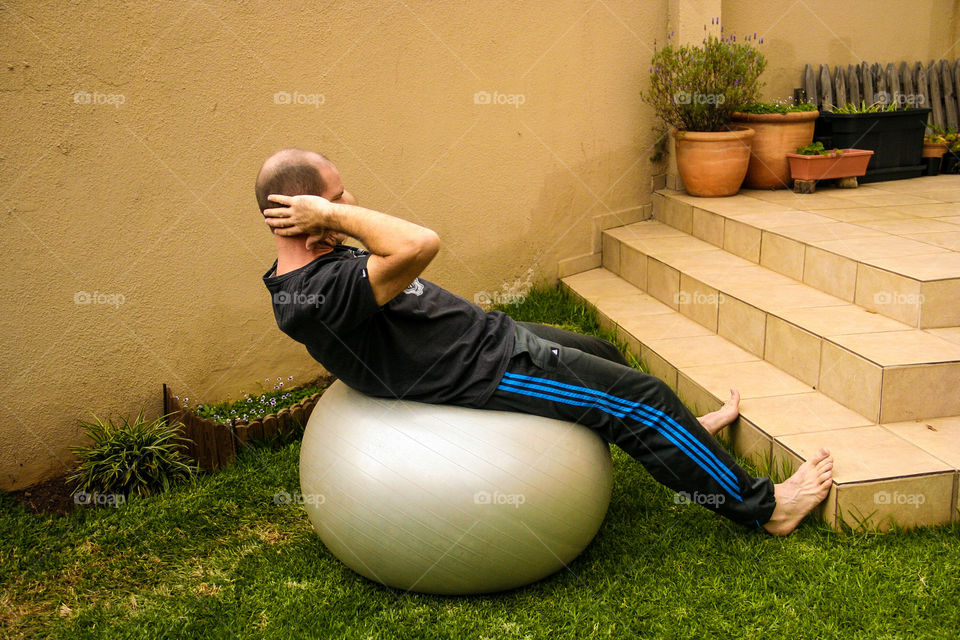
{"x": 214, "y": 445}
{"x": 936, "y": 85}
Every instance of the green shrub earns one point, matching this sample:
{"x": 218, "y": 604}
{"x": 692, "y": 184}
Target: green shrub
{"x": 698, "y": 88}
{"x": 778, "y": 107}
{"x": 131, "y": 458}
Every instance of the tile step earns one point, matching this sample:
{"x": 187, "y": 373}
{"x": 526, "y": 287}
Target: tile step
{"x": 877, "y": 366}
{"x": 893, "y": 252}
{"x": 904, "y": 473}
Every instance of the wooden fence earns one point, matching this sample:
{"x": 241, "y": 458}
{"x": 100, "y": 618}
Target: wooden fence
{"x": 213, "y": 445}
{"x": 934, "y": 85}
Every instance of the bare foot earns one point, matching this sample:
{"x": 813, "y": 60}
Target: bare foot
{"x": 716, "y": 420}
{"x": 800, "y": 493}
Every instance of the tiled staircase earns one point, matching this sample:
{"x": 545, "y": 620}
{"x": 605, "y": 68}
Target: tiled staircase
{"x": 835, "y": 314}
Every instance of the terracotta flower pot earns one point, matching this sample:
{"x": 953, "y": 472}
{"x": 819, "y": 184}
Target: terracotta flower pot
{"x": 713, "y": 163}
{"x": 852, "y": 163}
{"x": 777, "y": 135}
{"x": 934, "y": 149}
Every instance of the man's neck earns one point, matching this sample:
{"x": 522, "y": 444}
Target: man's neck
{"x": 292, "y": 253}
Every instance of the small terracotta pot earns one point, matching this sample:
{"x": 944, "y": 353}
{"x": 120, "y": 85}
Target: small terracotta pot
{"x": 713, "y": 163}
{"x": 934, "y": 149}
{"x": 852, "y": 163}
{"x": 777, "y": 135}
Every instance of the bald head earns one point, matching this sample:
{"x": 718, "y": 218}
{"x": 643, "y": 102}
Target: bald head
{"x": 291, "y": 172}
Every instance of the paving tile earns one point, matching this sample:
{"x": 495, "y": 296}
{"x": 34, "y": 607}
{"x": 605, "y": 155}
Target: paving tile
{"x": 776, "y": 296}
{"x": 643, "y": 230}
{"x": 799, "y": 413}
{"x": 928, "y": 266}
{"x": 742, "y": 240}
{"x": 865, "y": 453}
{"x": 890, "y": 200}
{"x": 858, "y": 214}
{"x": 944, "y": 195}
{"x": 944, "y": 240}
{"x": 827, "y": 231}
{"x": 753, "y": 379}
{"x": 851, "y": 380}
{"x": 669, "y": 245}
{"x": 908, "y": 225}
{"x": 930, "y": 209}
{"x": 890, "y": 348}
{"x": 951, "y": 334}
{"x": 628, "y": 305}
{"x": 675, "y": 212}
{"x": 876, "y": 247}
{"x": 889, "y": 293}
{"x": 840, "y": 320}
{"x": 663, "y": 282}
{"x": 597, "y": 282}
{"x": 699, "y": 350}
{"x": 659, "y": 367}
{"x": 633, "y": 266}
{"x": 610, "y": 253}
{"x": 742, "y": 324}
{"x": 660, "y": 326}
{"x": 913, "y": 392}
{"x": 782, "y": 255}
{"x": 829, "y": 272}
{"x": 922, "y": 500}
{"x": 939, "y": 437}
{"x": 779, "y": 219}
{"x": 708, "y": 226}
{"x": 941, "y": 303}
{"x": 698, "y": 301}
{"x": 793, "y": 350}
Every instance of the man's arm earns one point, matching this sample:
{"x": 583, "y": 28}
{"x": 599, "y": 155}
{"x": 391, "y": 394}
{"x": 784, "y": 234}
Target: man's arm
{"x": 400, "y": 250}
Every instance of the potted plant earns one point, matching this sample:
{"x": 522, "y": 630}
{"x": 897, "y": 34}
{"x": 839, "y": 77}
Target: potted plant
{"x": 696, "y": 90}
{"x": 934, "y": 146}
{"x": 814, "y": 162}
{"x": 951, "y": 159}
{"x": 780, "y": 128}
{"x": 895, "y": 135}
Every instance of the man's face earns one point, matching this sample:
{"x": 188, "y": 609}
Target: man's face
{"x": 335, "y": 192}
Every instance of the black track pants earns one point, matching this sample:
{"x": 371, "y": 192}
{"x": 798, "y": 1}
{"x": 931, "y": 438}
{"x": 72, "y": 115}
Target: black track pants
{"x": 558, "y": 374}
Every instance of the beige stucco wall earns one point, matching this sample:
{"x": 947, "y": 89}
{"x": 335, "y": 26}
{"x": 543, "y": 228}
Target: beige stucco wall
{"x": 152, "y": 199}
{"x": 830, "y": 32}
{"x": 133, "y": 131}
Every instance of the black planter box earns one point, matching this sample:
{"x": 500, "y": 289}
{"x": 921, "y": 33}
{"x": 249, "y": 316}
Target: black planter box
{"x": 895, "y": 137}
{"x": 950, "y": 162}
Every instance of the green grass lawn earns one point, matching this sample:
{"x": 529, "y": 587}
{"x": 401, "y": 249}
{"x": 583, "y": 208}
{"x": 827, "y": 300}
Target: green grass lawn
{"x": 218, "y": 559}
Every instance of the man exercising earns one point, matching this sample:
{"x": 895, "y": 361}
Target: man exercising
{"x": 369, "y": 319}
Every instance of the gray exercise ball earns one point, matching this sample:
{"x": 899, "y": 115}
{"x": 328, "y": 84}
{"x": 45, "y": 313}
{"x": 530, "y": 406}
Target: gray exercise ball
{"x": 450, "y": 500}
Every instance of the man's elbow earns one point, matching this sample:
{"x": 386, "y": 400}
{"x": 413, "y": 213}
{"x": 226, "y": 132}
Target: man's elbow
{"x": 429, "y": 244}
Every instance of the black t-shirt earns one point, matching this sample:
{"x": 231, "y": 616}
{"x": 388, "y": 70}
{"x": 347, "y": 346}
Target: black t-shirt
{"x": 426, "y": 344}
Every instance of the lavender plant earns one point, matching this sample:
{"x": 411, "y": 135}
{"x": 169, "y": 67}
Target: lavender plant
{"x": 698, "y": 88}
